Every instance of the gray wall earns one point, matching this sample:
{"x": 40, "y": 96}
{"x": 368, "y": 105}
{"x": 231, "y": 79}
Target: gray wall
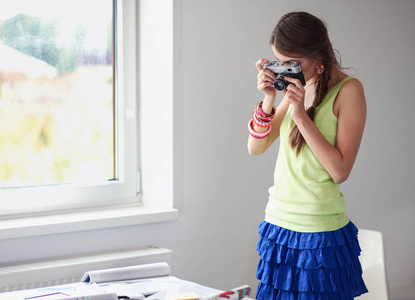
{"x": 220, "y": 190}
{"x": 221, "y": 42}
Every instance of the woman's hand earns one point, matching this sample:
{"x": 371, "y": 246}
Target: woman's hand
{"x": 295, "y": 94}
{"x": 265, "y": 81}
{"x": 337, "y": 159}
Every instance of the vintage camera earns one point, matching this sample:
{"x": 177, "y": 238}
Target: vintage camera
{"x": 292, "y": 70}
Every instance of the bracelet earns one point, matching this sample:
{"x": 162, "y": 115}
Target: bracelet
{"x": 255, "y": 134}
{"x": 259, "y": 122}
{"x": 262, "y": 119}
{"x": 261, "y": 114}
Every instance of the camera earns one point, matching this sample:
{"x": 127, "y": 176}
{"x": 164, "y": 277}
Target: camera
{"x": 292, "y": 70}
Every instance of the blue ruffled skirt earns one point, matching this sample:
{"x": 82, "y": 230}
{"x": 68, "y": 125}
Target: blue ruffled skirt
{"x": 304, "y": 266}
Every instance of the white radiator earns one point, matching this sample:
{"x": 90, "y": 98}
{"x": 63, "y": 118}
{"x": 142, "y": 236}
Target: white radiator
{"x": 71, "y": 269}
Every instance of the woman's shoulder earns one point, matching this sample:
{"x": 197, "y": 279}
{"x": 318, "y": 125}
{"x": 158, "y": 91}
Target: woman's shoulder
{"x": 351, "y": 94}
{"x": 350, "y": 84}
{"x": 352, "y": 88}
{"x": 339, "y": 76}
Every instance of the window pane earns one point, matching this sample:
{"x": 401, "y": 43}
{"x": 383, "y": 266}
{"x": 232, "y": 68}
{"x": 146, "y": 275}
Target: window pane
{"x": 56, "y": 92}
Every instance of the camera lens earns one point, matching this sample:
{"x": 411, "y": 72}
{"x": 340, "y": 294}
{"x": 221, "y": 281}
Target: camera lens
{"x": 280, "y": 83}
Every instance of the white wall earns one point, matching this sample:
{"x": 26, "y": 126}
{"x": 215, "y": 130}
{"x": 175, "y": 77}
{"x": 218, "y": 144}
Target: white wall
{"x": 220, "y": 190}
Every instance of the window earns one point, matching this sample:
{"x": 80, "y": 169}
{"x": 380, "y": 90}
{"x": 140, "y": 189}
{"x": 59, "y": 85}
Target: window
{"x": 67, "y": 105}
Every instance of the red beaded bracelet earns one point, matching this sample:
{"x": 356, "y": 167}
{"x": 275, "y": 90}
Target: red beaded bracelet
{"x": 260, "y": 122}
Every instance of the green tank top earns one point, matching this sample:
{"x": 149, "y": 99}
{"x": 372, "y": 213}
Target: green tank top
{"x": 304, "y": 197}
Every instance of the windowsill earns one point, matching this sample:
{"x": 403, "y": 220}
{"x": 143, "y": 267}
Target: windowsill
{"x": 63, "y": 223}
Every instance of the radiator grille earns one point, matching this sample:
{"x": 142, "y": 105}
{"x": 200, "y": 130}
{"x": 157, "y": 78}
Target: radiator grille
{"x": 71, "y": 269}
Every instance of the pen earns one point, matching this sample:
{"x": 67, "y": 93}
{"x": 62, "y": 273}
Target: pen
{"x": 236, "y": 293}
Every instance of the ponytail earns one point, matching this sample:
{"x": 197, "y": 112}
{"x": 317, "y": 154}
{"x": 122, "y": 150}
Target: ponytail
{"x": 297, "y": 140}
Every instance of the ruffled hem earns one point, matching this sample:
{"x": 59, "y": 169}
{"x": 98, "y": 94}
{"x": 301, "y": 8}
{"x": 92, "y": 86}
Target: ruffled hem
{"x": 308, "y": 240}
{"x": 287, "y": 278}
{"x": 308, "y": 250}
{"x": 268, "y": 292}
{"x": 309, "y": 265}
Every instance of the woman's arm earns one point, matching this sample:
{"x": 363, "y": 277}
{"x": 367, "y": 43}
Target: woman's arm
{"x": 350, "y": 108}
{"x": 265, "y": 84}
{"x": 259, "y": 146}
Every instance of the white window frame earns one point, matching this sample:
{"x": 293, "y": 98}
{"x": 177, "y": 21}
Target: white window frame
{"x": 123, "y": 203}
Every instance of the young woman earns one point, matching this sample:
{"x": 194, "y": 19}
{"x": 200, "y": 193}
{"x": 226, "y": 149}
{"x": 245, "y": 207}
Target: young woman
{"x": 308, "y": 246}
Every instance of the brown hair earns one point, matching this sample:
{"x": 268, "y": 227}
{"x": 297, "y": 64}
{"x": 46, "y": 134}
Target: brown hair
{"x": 300, "y": 34}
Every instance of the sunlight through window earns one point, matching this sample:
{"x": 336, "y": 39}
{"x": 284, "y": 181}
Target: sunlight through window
{"x": 57, "y": 112}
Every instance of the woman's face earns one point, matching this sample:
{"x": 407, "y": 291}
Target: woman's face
{"x": 307, "y": 65}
